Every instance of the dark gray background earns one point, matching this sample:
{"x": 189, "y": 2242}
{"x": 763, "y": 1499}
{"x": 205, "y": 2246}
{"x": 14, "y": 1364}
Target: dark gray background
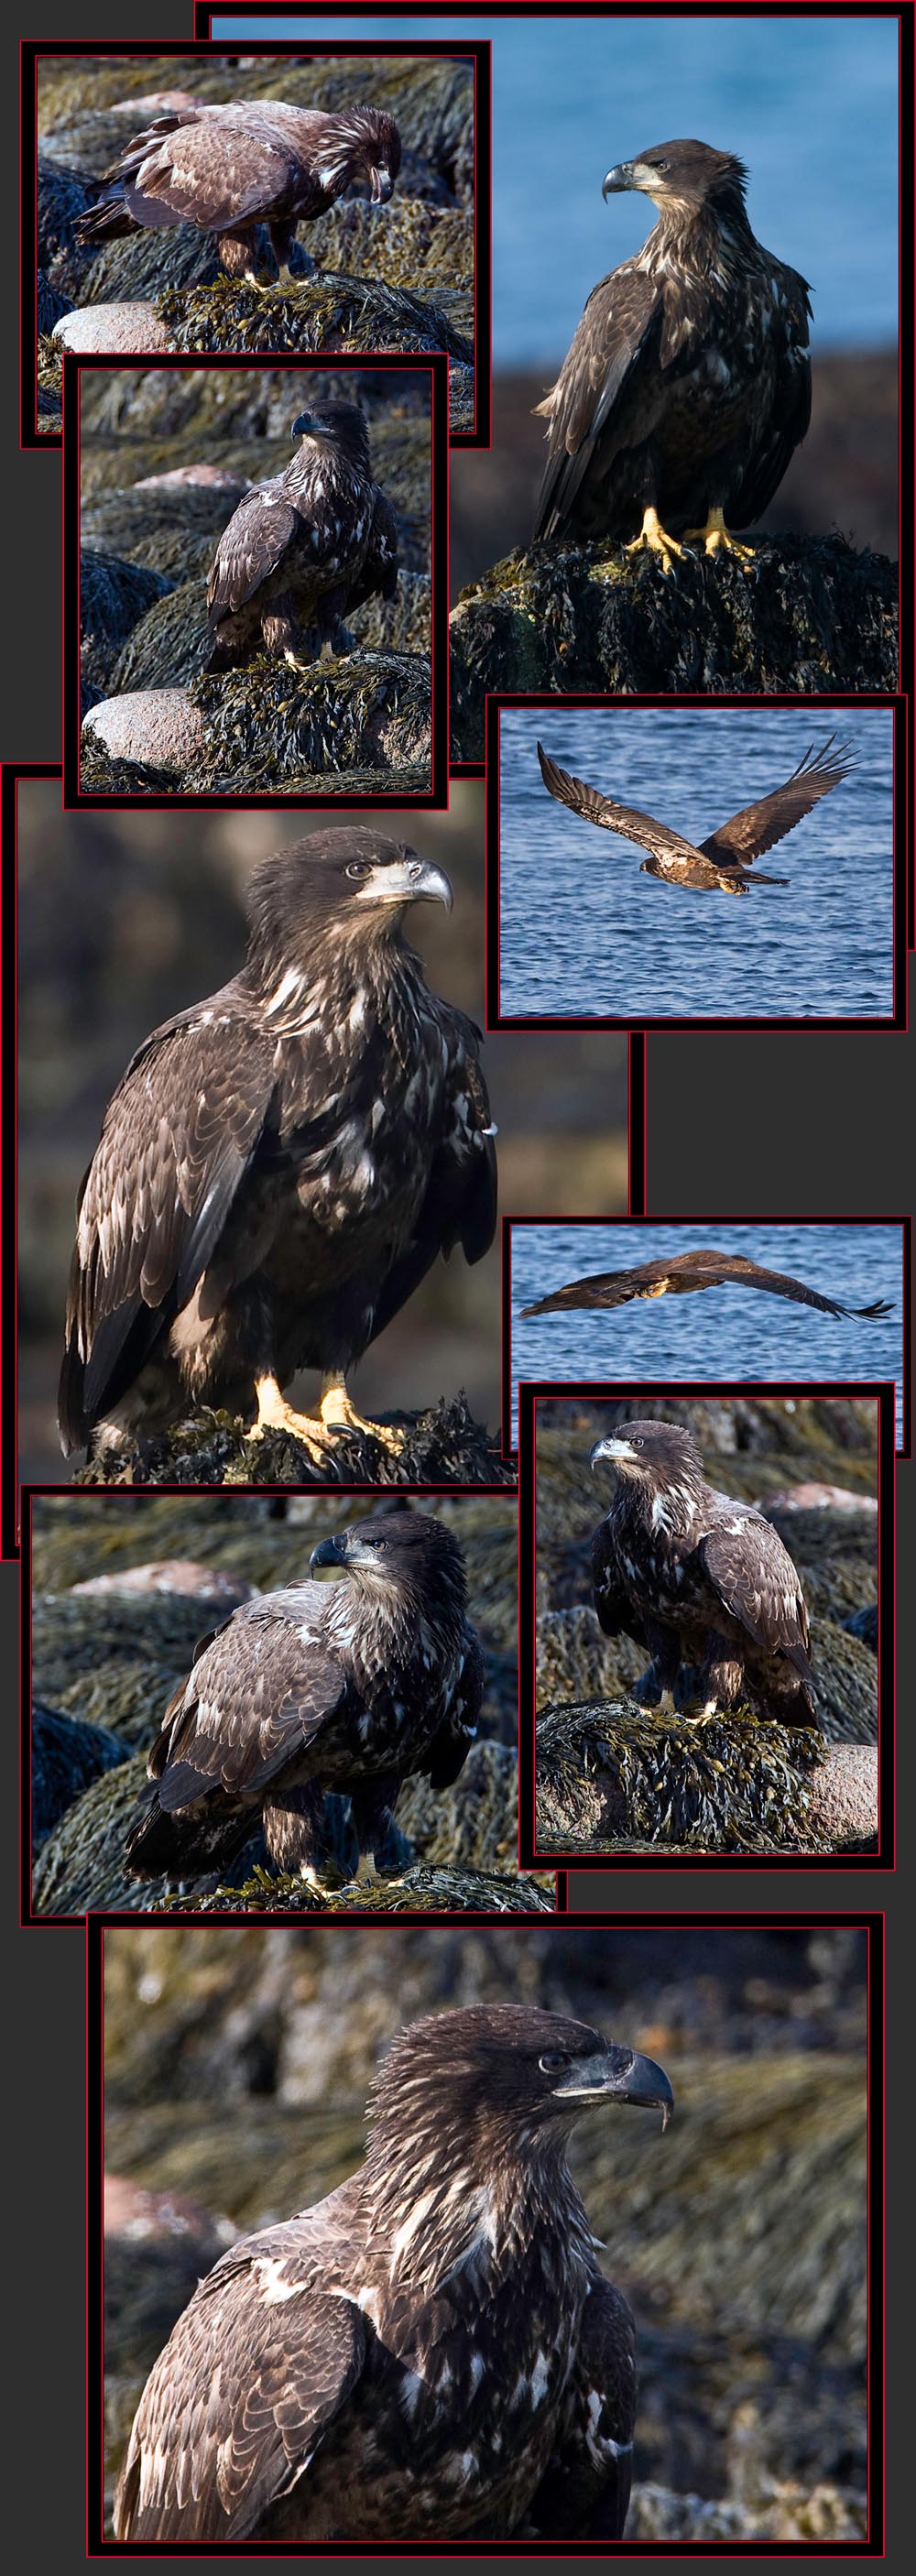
{"x": 810, "y": 1124}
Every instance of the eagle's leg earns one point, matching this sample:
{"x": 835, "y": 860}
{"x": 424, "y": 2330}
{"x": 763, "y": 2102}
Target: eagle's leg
{"x": 274, "y": 1414}
{"x": 237, "y": 256}
{"x": 654, "y": 537}
{"x": 370, "y": 1816}
{"x": 288, "y": 251}
{"x": 716, "y": 538}
{"x": 339, "y": 1413}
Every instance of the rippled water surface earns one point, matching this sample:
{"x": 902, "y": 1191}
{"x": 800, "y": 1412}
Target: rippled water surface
{"x": 583, "y": 933}
{"x": 718, "y": 1333}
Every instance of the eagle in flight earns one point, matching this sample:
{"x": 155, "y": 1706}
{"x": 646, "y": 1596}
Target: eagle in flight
{"x": 679, "y": 1272}
{"x": 687, "y": 385}
{"x": 432, "y": 2352}
{"x": 726, "y": 857}
{"x": 700, "y": 1580}
{"x": 349, "y": 1686}
{"x": 282, "y": 1163}
{"x": 304, "y": 550}
{"x": 229, "y": 169}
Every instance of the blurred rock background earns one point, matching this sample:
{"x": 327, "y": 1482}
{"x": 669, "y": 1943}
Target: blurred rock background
{"x": 125, "y": 918}
{"x": 237, "y": 2064}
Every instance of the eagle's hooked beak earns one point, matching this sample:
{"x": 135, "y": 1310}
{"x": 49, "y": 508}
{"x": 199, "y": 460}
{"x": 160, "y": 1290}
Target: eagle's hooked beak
{"x": 381, "y": 186}
{"x": 413, "y": 881}
{"x": 617, "y": 179}
{"x": 614, "y": 1447}
{"x": 302, "y": 426}
{"x": 621, "y": 2075}
{"x": 329, "y": 1551}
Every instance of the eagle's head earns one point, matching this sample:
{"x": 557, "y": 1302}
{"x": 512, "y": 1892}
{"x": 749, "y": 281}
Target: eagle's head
{"x": 511, "y": 2069}
{"x": 397, "y": 1552}
{"x": 369, "y": 150}
{"x": 686, "y": 174}
{"x": 343, "y": 424}
{"x": 649, "y": 1450}
{"x": 335, "y": 887}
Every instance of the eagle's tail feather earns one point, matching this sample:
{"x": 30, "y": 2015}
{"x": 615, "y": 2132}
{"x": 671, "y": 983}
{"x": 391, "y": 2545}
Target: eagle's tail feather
{"x": 163, "y": 1845}
{"x": 108, "y": 220}
{"x": 752, "y": 879}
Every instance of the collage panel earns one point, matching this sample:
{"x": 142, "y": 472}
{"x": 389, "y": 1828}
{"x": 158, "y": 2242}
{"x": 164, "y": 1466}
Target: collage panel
{"x": 184, "y": 199}
{"x": 222, "y": 528}
{"x": 707, "y": 1629}
{"x": 567, "y": 1319}
{"x": 254, "y": 1704}
{"x": 563, "y": 2094}
{"x": 575, "y": 939}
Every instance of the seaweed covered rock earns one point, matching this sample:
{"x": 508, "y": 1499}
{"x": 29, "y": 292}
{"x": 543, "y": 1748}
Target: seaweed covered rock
{"x": 776, "y": 2509}
{"x": 810, "y": 614}
{"x": 361, "y": 712}
{"x": 50, "y": 304}
{"x": 66, "y": 1755}
{"x": 442, "y": 1446}
{"x": 173, "y": 527}
{"x": 322, "y": 313}
{"x": 611, "y": 1777}
{"x": 113, "y": 595}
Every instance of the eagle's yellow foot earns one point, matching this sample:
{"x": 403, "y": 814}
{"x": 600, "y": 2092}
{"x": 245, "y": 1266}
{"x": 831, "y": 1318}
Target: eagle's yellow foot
{"x": 294, "y": 662}
{"x": 274, "y": 1414}
{"x": 716, "y": 538}
{"x": 653, "y": 535}
{"x": 338, "y": 1413}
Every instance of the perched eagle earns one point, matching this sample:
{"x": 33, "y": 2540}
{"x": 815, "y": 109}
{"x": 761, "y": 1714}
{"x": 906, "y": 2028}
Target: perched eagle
{"x": 306, "y": 548}
{"x": 281, "y": 1164}
{"x": 728, "y": 854}
{"x": 687, "y": 385}
{"x": 699, "y": 1580}
{"x": 350, "y": 1686}
{"x": 432, "y": 2352}
{"x": 681, "y": 1271}
{"x": 229, "y": 169}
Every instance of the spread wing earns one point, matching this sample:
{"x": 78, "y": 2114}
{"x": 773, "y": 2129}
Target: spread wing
{"x": 620, "y": 327}
{"x": 787, "y": 420}
{"x": 257, "y": 2369}
{"x": 459, "y": 1205}
{"x": 586, "y": 2487}
{"x": 753, "y": 1576}
{"x": 254, "y": 1700}
{"x": 605, "y": 1287}
{"x": 250, "y": 548}
{"x": 755, "y": 829}
{"x": 625, "y": 819}
{"x": 451, "y": 1744}
{"x": 179, "y": 1134}
{"x": 775, "y": 1283}
{"x": 205, "y": 171}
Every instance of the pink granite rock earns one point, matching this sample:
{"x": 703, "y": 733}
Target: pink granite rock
{"x": 159, "y": 726}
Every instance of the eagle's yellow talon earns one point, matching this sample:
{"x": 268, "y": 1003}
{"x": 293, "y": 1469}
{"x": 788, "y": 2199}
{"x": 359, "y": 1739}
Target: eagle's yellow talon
{"x": 653, "y": 536}
{"x": 716, "y": 539}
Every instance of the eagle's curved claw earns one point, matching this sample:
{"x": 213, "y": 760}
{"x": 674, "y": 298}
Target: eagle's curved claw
{"x": 338, "y": 1413}
{"x": 653, "y": 536}
{"x": 274, "y": 1414}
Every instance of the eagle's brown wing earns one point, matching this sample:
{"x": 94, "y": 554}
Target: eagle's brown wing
{"x": 284, "y": 2355}
{"x": 586, "y": 2487}
{"x": 253, "y": 1699}
{"x": 459, "y": 1205}
{"x": 251, "y": 547}
{"x": 612, "y": 1604}
{"x": 452, "y": 1742}
{"x": 789, "y": 414}
{"x": 179, "y": 1133}
{"x": 753, "y": 1576}
{"x": 755, "y": 829}
{"x": 748, "y": 1274}
{"x": 607, "y": 1287}
{"x": 625, "y": 819}
{"x": 622, "y": 318}
{"x": 205, "y": 171}
{"x": 379, "y": 571}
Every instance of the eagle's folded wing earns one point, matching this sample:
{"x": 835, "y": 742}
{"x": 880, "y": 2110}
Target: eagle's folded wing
{"x": 623, "y": 314}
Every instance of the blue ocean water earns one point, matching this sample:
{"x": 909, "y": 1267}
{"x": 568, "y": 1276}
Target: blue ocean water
{"x": 809, "y": 103}
{"x": 584, "y": 934}
{"x": 723, "y": 1333}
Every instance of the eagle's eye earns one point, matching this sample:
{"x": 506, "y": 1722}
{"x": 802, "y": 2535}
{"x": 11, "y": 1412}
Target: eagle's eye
{"x": 552, "y": 2060}
{"x": 356, "y": 868}
{"x": 375, "y": 1542}
{"x": 662, "y": 165}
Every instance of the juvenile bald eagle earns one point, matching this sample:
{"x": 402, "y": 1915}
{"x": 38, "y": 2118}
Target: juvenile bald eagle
{"x": 229, "y": 169}
{"x": 305, "y": 548}
{"x": 281, "y": 1164}
{"x": 699, "y": 1580}
{"x": 687, "y": 385}
{"x": 431, "y": 2352}
{"x": 350, "y": 1686}
{"x": 680, "y": 1272}
{"x": 724, "y": 859}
